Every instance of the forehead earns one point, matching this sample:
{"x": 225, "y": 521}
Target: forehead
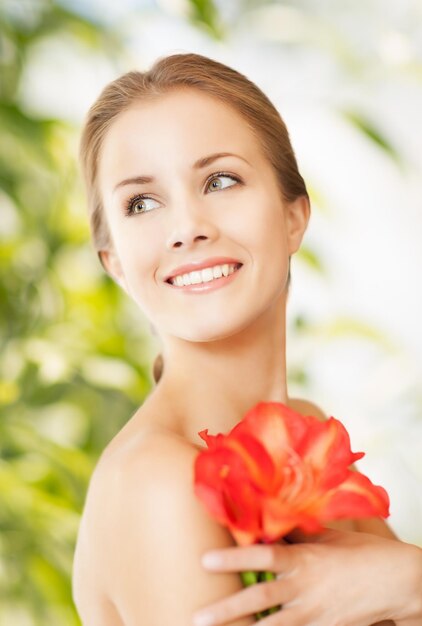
{"x": 180, "y": 126}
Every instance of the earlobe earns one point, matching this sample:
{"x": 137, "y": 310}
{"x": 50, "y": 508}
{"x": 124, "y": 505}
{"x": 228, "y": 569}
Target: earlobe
{"x": 298, "y": 213}
{"x": 111, "y": 263}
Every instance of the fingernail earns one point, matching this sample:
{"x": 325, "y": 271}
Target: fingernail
{"x": 211, "y": 560}
{"x": 203, "y": 619}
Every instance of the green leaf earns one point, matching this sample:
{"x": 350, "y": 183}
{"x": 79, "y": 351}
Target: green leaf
{"x": 372, "y": 132}
{"x": 310, "y": 258}
{"x": 204, "y": 14}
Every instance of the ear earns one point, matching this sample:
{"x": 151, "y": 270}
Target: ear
{"x": 297, "y": 217}
{"x": 111, "y": 263}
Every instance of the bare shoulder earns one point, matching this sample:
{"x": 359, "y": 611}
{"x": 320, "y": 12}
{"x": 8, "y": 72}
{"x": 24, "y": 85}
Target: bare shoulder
{"x": 89, "y": 573}
{"x": 306, "y": 408}
{"x": 149, "y": 531}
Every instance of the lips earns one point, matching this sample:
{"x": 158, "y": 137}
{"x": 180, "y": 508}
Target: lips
{"x": 200, "y": 265}
{"x": 207, "y": 286}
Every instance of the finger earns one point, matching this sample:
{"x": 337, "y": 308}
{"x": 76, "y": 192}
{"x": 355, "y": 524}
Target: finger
{"x": 258, "y": 557}
{"x": 253, "y": 599}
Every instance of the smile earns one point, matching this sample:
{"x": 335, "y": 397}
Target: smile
{"x": 204, "y": 276}
{"x": 207, "y": 279}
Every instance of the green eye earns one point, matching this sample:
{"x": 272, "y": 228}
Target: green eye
{"x": 216, "y": 177}
{"x": 134, "y": 204}
{"x": 132, "y": 207}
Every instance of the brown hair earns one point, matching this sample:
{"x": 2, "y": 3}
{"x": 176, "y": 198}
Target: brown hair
{"x": 174, "y": 72}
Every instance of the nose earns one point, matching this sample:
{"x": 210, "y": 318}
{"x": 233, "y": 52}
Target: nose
{"x": 191, "y": 224}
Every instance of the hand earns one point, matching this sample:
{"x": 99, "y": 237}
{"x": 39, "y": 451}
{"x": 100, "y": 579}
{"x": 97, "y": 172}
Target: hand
{"x": 336, "y": 577}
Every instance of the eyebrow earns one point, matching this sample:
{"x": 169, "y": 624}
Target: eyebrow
{"x": 199, "y": 164}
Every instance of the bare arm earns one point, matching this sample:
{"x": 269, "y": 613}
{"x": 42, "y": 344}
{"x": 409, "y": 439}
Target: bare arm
{"x": 154, "y": 533}
{"x": 338, "y": 577}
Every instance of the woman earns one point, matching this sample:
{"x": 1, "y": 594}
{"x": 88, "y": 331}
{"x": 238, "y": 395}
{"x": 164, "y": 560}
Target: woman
{"x": 196, "y": 207}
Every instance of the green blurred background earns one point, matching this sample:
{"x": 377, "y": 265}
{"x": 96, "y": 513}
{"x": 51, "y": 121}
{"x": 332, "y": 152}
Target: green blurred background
{"x": 76, "y": 355}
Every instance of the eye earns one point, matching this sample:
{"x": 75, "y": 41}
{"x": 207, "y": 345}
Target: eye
{"x": 220, "y": 175}
{"x": 134, "y": 204}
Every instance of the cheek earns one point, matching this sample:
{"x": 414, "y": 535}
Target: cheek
{"x": 140, "y": 244}
{"x": 139, "y": 252}
{"x": 261, "y": 228}
{"x": 265, "y": 241}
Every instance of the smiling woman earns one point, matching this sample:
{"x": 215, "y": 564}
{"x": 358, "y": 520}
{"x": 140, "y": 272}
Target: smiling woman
{"x": 196, "y": 206}
{"x": 249, "y": 212}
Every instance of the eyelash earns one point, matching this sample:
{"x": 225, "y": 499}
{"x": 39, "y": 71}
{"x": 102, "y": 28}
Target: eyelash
{"x": 131, "y": 201}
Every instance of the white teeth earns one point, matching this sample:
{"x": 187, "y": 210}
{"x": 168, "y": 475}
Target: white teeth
{"x": 207, "y": 275}
{"x": 195, "y": 278}
{"x": 203, "y": 276}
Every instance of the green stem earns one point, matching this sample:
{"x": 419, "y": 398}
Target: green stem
{"x": 251, "y": 578}
{"x": 265, "y": 576}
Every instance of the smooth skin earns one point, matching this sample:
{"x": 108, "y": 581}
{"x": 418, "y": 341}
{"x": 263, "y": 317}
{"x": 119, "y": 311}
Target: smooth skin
{"x": 143, "y": 532}
{"x": 317, "y": 582}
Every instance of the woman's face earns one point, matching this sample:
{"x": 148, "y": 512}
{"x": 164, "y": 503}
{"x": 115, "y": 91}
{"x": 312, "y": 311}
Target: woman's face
{"x": 192, "y": 214}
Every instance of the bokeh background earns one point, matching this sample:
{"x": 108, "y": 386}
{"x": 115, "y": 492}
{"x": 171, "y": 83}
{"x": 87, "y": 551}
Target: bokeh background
{"x": 76, "y": 354}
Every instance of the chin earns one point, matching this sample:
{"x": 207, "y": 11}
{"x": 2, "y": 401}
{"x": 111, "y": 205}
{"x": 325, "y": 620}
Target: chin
{"x": 205, "y": 336}
{"x": 210, "y": 330}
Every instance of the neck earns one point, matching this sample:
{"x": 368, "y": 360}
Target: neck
{"x": 213, "y": 384}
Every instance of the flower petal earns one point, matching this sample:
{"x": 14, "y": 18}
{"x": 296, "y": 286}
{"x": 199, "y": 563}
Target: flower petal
{"x": 243, "y": 506}
{"x": 356, "y": 497}
{"x": 275, "y": 425}
{"x": 212, "y": 441}
{"x": 279, "y": 518}
{"x": 326, "y": 448}
{"x": 222, "y": 482}
{"x": 257, "y": 460}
